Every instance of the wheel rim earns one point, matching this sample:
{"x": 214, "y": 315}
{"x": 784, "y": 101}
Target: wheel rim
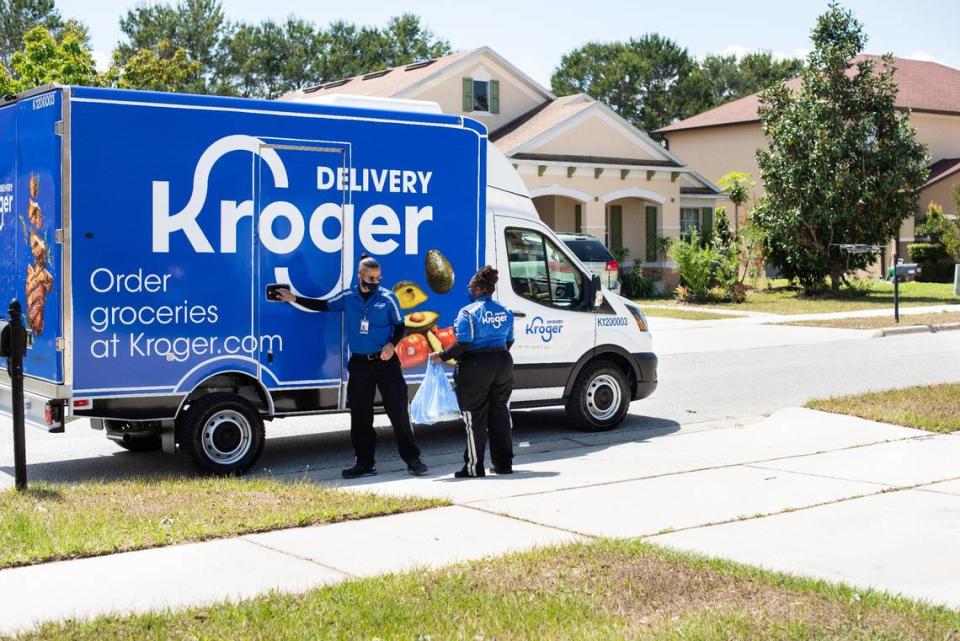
{"x": 603, "y": 397}
{"x": 226, "y": 437}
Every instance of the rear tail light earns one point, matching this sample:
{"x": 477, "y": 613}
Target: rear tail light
{"x": 612, "y": 266}
{"x": 81, "y": 402}
{"x": 48, "y": 414}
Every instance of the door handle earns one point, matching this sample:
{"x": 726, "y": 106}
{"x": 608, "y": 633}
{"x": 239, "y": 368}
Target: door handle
{"x": 519, "y": 315}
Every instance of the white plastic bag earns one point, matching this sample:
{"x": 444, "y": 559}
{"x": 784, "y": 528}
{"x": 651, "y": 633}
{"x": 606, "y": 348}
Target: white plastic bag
{"x": 435, "y": 401}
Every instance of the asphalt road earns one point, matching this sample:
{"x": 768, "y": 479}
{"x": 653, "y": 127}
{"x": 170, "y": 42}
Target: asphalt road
{"x": 694, "y": 388}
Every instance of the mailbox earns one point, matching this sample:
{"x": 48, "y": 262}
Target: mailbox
{"x": 907, "y": 271}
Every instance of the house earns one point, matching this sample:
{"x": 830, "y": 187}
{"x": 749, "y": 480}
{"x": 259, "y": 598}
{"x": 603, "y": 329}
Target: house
{"x": 726, "y": 138}
{"x": 588, "y": 169}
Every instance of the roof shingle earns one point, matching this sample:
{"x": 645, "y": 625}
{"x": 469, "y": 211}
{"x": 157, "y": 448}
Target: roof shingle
{"x": 924, "y": 86}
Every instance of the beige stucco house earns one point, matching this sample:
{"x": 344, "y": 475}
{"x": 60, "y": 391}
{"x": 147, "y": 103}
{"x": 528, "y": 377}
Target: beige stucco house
{"x": 726, "y": 138}
{"x": 587, "y": 168}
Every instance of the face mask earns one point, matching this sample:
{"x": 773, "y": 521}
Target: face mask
{"x": 368, "y": 285}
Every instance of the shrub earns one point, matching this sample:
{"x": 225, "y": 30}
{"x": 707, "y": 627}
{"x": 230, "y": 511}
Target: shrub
{"x": 718, "y": 295}
{"x": 695, "y": 263}
{"x": 936, "y": 273}
{"x": 633, "y": 284}
{"x": 926, "y": 252}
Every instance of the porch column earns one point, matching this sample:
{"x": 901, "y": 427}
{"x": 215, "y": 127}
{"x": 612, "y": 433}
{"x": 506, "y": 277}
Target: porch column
{"x": 595, "y": 218}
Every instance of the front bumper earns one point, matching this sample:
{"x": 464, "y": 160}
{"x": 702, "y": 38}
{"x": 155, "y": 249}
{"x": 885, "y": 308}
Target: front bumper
{"x": 646, "y": 368}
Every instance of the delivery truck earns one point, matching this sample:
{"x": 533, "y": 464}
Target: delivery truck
{"x": 143, "y": 231}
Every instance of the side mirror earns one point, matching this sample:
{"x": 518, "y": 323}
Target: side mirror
{"x": 596, "y": 288}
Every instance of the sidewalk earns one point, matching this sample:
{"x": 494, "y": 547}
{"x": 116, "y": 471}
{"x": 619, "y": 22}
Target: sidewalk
{"x": 755, "y": 329}
{"x": 801, "y": 491}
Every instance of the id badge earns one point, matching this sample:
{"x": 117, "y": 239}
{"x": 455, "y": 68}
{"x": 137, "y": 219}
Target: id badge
{"x": 364, "y": 326}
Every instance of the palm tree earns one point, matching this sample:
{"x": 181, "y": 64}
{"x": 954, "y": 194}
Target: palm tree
{"x": 737, "y": 186}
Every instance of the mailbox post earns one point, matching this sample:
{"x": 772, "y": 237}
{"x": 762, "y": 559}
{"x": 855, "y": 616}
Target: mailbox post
{"x": 896, "y": 287}
{"x": 13, "y": 345}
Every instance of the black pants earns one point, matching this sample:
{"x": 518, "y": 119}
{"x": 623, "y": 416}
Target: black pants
{"x": 484, "y": 383}
{"x": 365, "y": 377}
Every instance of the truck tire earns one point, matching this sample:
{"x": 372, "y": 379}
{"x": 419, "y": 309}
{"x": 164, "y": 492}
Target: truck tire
{"x": 600, "y": 397}
{"x": 223, "y": 434}
{"x": 132, "y": 440}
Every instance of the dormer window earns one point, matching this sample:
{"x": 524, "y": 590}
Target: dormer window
{"x": 480, "y": 93}
{"x": 481, "y": 96}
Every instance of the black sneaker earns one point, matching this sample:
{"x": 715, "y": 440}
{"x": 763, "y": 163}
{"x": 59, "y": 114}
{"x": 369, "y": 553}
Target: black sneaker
{"x": 502, "y": 469}
{"x": 417, "y": 468}
{"x": 357, "y": 471}
{"x": 464, "y": 473}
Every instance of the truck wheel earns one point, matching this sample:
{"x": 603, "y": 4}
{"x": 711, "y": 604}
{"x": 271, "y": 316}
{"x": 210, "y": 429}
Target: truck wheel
{"x": 222, "y": 433}
{"x": 600, "y": 397}
{"x": 130, "y": 438}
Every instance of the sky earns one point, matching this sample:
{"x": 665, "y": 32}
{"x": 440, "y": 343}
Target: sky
{"x": 534, "y": 35}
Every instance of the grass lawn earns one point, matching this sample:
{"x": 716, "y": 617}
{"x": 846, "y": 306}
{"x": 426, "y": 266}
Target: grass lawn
{"x": 780, "y": 299}
{"x": 50, "y": 522}
{"x": 686, "y": 314}
{"x": 879, "y": 322}
{"x": 925, "y": 407}
{"x": 597, "y": 590}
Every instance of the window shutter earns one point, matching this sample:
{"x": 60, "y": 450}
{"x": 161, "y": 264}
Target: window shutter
{"x": 707, "y": 224}
{"x": 494, "y": 96}
{"x": 578, "y": 218}
{"x": 468, "y": 95}
{"x": 616, "y": 227}
{"x": 651, "y": 234}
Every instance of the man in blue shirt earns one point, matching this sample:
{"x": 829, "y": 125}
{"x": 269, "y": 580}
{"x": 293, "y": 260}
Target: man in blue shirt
{"x": 374, "y": 326}
{"x": 484, "y": 376}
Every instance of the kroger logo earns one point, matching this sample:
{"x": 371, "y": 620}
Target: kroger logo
{"x": 545, "y": 329}
{"x": 495, "y": 319}
{"x": 379, "y": 227}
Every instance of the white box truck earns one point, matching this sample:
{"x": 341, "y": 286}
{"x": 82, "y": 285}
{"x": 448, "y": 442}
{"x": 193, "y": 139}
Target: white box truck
{"x": 141, "y": 230}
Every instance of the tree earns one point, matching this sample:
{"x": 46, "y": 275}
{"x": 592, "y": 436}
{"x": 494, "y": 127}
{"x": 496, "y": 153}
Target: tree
{"x": 738, "y": 187}
{"x": 941, "y": 230}
{"x": 44, "y": 59}
{"x": 843, "y": 165}
{"x": 719, "y": 79}
{"x": 19, "y": 16}
{"x": 271, "y": 58}
{"x": 199, "y": 27}
{"x": 651, "y": 81}
{"x": 637, "y": 79}
{"x": 167, "y": 69}
{"x": 722, "y": 227}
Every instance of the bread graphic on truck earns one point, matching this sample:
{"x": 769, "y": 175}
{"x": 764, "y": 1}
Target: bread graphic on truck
{"x": 39, "y": 279}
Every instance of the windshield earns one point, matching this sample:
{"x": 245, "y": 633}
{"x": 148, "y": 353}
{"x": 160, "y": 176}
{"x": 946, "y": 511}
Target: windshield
{"x": 589, "y": 250}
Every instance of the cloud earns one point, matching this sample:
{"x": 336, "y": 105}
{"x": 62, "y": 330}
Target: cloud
{"x": 101, "y": 60}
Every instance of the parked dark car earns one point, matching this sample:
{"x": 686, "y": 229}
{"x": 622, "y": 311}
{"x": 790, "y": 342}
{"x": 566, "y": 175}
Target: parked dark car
{"x": 595, "y": 256}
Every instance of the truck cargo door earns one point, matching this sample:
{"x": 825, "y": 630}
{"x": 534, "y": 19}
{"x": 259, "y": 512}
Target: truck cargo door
{"x": 31, "y": 226}
{"x": 300, "y": 207}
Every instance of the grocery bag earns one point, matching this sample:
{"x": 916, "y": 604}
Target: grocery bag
{"x": 435, "y": 401}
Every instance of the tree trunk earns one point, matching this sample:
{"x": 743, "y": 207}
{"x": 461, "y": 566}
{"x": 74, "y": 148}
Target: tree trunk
{"x": 836, "y": 274}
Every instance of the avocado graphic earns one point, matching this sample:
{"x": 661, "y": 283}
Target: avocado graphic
{"x": 440, "y": 274}
{"x": 409, "y": 294}
{"x": 420, "y": 322}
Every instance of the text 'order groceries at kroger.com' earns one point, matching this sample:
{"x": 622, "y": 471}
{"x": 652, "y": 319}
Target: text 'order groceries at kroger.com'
{"x": 110, "y": 322}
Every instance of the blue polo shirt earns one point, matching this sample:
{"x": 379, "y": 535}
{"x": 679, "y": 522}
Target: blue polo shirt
{"x": 381, "y": 310}
{"x": 485, "y": 324}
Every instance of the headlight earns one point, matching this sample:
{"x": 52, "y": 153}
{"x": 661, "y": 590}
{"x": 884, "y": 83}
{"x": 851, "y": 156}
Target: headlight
{"x": 638, "y": 316}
